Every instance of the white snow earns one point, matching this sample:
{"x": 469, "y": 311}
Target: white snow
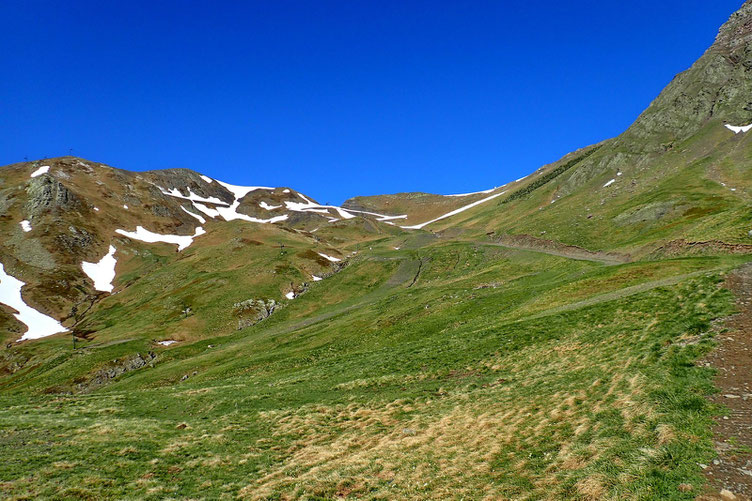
{"x": 221, "y": 209}
{"x": 103, "y": 272}
{"x": 286, "y": 191}
{"x": 96, "y": 209}
{"x": 290, "y": 295}
{"x": 200, "y": 218}
{"x": 310, "y": 206}
{"x": 207, "y": 179}
{"x": 147, "y": 236}
{"x": 25, "y": 225}
{"x": 618, "y": 173}
{"x": 473, "y": 193}
{"x": 266, "y": 206}
{"x": 42, "y": 170}
{"x": 330, "y": 258}
{"x": 454, "y": 212}
{"x": 167, "y": 343}
{"x": 212, "y": 213}
{"x": 230, "y": 213}
{"x": 736, "y": 129}
{"x": 241, "y": 191}
{"x": 125, "y": 207}
{"x": 316, "y": 279}
{"x": 38, "y": 324}
{"x": 191, "y": 196}
{"x": 609, "y": 183}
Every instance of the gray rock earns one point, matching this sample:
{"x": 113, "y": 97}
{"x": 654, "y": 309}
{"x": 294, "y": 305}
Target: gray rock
{"x": 253, "y": 311}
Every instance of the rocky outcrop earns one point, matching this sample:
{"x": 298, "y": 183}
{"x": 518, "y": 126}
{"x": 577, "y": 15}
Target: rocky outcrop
{"x": 252, "y": 311}
{"x": 46, "y": 194}
{"x": 115, "y": 369}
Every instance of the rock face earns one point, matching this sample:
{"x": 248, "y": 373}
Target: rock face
{"x": 46, "y": 194}
{"x": 118, "y": 368}
{"x": 718, "y": 85}
{"x": 253, "y": 311}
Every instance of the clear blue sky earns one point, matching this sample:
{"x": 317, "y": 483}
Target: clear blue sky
{"x": 337, "y": 98}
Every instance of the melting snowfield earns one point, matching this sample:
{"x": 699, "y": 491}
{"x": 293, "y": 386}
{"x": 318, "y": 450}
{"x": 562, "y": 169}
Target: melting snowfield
{"x": 454, "y": 212}
{"x": 200, "y": 218}
{"x": 42, "y": 170}
{"x": 38, "y": 324}
{"x": 141, "y": 233}
{"x": 473, "y": 193}
{"x": 103, "y": 272}
{"x": 736, "y": 129}
{"x": 25, "y": 225}
{"x": 330, "y": 258}
{"x": 230, "y": 212}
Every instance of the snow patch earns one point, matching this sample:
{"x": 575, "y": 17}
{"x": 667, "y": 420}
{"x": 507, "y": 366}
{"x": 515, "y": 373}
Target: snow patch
{"x": 191, "y": 196}
{"x": 736, "y": 129}
{"x": 473, "y": 193}
{"x": 454, "y": 212}
{"x": 286, "y": 191}
{"x": 310, "y": 206}
{"x": 266, "y": 206}
{"x": 316, "y": 279}
{"x": 212, "y": 213}
{"x": 200, "y": 218}
{"x": 38, "y": 324}
{"x": 103, "y": 272}
{"x": 25, "y": 225}
{"x": 241, "y": 191}
{"x": 42, "y": 170}
{"x": 609, "y": 183}
{"x": 290, "y": 295}
{"x": 330, "y": 258}
{"x": 167, "y": 343}
{"x": 96, "y": 209}
{"x": 125, "y": 207}
{"x": 207, "y": 179}
{"x": 147, "y": 236}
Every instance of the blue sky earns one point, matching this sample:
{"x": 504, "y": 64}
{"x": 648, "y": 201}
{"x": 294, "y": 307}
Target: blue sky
{"x": 337, "y": 98}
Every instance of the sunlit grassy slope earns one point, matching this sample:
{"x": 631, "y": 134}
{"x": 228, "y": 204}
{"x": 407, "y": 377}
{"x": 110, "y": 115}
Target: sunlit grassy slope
{"x": 449, "y": 370}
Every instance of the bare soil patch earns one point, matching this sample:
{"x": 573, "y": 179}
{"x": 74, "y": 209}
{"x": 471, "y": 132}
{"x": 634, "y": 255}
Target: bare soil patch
{"x": 730, "y": 475}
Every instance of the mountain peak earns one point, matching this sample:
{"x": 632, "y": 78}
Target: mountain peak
{"x": 737, "y": 32}
{"x": 717, "y": 87}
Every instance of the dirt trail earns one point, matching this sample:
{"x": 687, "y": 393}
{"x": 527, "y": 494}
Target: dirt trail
{"x": 554, "y": 248}
{"x": 731, "y": 473}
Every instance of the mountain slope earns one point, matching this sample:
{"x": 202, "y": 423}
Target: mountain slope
{"x": 540, "y": 340}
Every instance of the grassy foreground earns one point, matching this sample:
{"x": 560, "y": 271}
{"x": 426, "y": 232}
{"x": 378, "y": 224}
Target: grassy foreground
{"x": 458, "y": 371}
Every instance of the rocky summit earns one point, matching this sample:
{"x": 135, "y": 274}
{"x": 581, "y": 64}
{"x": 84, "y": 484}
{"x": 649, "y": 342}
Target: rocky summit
{"x": 568, "y": 335}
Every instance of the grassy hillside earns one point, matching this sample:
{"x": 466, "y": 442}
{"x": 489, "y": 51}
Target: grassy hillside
{"x": 454, "y": 370}
{"x": 543, "y": 344}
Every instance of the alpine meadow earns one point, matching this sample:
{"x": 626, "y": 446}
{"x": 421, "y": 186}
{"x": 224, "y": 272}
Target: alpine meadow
{"x": 582, "y": 333}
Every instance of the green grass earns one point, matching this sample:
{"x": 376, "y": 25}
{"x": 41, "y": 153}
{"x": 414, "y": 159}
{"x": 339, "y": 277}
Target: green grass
{"x": 501, "y": 373}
